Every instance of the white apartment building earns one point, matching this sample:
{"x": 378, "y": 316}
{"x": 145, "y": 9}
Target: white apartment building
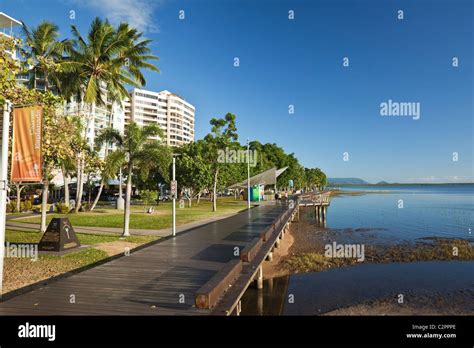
{"x": 172, "y": 113}
{"x": 102, "y": 116}
{"x": 7, "y": 24}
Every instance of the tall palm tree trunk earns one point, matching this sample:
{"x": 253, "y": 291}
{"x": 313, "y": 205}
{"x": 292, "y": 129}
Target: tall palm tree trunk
{"x": 80, "y": 168}
{"x": 79, "y": 185}
{"x": 96, "y": 200}
{"x": 128, "y": 197}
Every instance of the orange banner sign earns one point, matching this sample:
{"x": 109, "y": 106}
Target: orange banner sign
{"x": 26, "y": 146}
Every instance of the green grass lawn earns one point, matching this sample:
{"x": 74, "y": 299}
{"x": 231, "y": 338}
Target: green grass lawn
{"x": 19, "y": 272}
{"x": 13, "y": 236}
{"x": 14, "y": 214}
{"x": 141, "y": 220}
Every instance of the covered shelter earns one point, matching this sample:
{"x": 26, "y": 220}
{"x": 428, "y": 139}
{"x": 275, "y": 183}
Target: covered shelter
{"x": 258, "y": 183}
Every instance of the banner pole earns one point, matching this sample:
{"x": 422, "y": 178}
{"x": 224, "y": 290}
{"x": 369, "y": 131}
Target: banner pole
{"x": 4, "y": 185}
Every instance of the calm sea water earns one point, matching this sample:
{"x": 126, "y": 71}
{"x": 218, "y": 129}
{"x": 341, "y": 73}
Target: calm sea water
{"x": 407, "y": 212}
{"x": 428, "y": 211}
{"x": 318, "y": 293}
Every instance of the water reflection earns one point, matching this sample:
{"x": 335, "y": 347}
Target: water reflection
{"x": 267, "y": 301}
{"x": 321, "y": 292}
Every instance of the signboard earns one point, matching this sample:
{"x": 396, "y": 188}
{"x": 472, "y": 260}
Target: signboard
{"x": 174, "y": 188}
{"x": 59, "y": 236}
{"x": 26, "y": 144}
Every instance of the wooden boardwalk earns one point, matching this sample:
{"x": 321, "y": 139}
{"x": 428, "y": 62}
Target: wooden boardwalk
{"x": 161, "y": 279}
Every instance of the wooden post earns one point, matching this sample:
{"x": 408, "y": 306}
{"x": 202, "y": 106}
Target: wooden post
{"x": 270, "y": 256}
{"x": 260, "y": 278}
{"x": 270, "y": 284}
{"x": 260, "y": 303}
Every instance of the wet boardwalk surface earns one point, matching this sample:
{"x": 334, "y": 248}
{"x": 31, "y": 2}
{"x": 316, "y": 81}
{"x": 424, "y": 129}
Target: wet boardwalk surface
{"x": 161, "y": 279}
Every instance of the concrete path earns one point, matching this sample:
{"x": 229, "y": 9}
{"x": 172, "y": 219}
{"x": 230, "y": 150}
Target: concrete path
{"x": 27, "y": 226}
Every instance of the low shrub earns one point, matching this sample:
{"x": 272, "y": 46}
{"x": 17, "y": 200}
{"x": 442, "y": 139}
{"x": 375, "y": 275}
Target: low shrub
{"x": 62, "y": 208}
{"x": 27, "y": 205}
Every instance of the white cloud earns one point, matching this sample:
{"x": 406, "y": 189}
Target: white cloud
{"x": 137, "y": 13}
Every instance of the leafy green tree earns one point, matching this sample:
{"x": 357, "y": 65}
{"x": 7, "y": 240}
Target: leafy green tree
{"x": 148, "y": 197}
{"x": 55, "y": 141}
{"x": 193, "y": 171}
{"x": 315, "y": 178}
{"x": 223, "y": 135}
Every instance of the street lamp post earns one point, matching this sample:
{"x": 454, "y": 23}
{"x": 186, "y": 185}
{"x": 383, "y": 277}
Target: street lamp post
{"x": 248, "y": 174}
{"x": 174, "y": 195}
{"x": 3, "y": 184}
{"x": 174, "y": 192}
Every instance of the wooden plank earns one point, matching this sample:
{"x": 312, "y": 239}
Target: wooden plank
{"x": 249, "y": 252}
{"x": 208, "y": 295}
{"x": 230, "y": 299}
{"x": 265, "y": 235}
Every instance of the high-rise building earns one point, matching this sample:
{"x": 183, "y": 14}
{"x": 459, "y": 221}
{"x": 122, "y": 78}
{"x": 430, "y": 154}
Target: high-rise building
{"x": 173, "y": 114}
{"x": 107, "y": 115}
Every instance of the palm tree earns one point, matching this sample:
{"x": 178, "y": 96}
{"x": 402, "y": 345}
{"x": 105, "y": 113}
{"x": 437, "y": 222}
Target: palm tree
{"x": 141, "y": 152}
{"x": 102, "y": 65}
{"x": 44, "y": 53}
{"x": 112, "y": 161}
{"x": 109, "y": 170}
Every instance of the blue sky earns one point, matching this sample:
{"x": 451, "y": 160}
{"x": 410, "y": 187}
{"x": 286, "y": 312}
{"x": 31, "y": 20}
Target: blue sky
{"x": 299, "y": 62}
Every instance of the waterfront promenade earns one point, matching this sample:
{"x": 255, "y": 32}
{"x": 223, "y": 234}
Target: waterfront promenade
{"x": 161, "y": 279}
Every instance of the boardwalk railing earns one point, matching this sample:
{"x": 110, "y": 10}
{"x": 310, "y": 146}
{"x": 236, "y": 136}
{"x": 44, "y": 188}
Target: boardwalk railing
{"x": 208, "y": 295}
{"x": 252, "y": 269}
{"x": 323, "y": 198}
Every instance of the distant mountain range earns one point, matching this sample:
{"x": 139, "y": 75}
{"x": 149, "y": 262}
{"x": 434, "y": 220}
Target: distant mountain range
{"x": 357, "y": 181}
{"x": 347, "y": 181}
